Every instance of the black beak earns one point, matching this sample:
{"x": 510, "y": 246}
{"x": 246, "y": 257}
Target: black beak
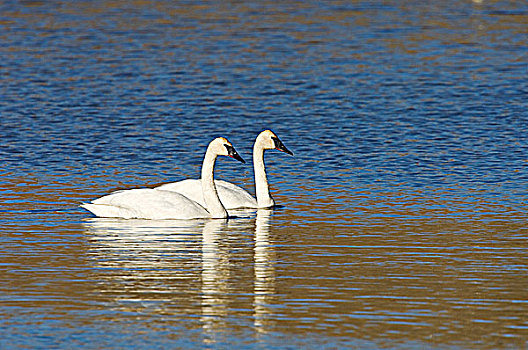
{"x": 280, "y": 146}
{"x": 231, "y": 152}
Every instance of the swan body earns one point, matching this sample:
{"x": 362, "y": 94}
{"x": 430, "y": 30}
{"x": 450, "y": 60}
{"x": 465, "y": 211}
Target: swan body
{"x": 232, "y": 196}
{"x": 146, "y": 203}
{"x": 156, "y": 203}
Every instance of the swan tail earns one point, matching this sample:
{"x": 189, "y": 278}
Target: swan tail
{"x": 107, "y": 211}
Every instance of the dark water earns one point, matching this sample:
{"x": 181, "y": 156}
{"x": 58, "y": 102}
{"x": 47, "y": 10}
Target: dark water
{"x": 403, "y": 218}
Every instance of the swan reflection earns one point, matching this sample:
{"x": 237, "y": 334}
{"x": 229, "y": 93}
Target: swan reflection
{"x": 215, "y": 279}
{"x": 264, "y": 259}
{"x": 138, "y": 261}
{"x": 185, "y": 268}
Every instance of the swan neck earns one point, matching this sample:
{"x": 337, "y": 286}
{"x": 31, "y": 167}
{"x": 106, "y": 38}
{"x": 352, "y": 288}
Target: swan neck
{"x": 262, "y": 191}
{"x": 210, "y": 194}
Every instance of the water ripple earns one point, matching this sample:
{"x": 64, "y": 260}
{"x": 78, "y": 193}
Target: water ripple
{"x": 403, "y": 212}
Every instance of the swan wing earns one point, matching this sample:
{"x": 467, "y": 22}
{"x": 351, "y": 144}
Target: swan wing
{"x": 146, "y": 203}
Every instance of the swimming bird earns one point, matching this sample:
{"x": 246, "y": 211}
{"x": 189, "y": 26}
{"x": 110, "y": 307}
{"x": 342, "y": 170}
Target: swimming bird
{"x": 233, "y": 196}
{"x": 157, "y": 203}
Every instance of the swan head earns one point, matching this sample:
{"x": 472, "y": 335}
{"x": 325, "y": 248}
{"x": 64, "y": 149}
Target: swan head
{"x": 222, "y": 147}
{"x": 269, "y": 140}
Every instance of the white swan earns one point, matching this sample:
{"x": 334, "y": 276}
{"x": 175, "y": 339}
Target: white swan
{"x": 232, "y": 196}
{"x": 156, "y": 203}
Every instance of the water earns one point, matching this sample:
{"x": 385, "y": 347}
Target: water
{"x": 403, "y": 212}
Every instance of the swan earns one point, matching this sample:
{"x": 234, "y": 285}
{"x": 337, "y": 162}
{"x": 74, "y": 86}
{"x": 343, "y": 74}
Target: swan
{"x": 156, "y": 203}
{"x": 232, "y": 196}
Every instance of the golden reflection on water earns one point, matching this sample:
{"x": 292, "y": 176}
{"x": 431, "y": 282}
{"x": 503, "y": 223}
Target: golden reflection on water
{"x": 395, "y": 266}
{"x": 407, "y": 266}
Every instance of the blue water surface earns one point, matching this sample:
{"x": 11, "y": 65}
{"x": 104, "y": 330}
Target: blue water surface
{"x": 403, "y": 211}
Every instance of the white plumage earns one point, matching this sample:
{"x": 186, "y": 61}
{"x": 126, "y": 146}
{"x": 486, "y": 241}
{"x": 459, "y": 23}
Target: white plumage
{"x": 157, "y": 203}
{"x": 231, "y": 196}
